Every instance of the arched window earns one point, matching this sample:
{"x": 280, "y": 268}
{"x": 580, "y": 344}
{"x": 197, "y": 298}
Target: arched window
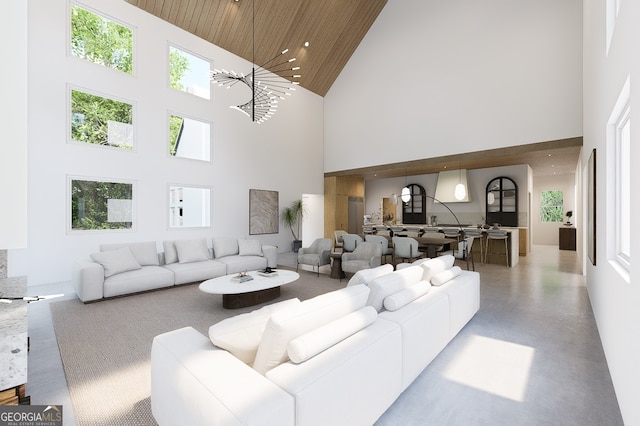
{"x": 415, "y": 210}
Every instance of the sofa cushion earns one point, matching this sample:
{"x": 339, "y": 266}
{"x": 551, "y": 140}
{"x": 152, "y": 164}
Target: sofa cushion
{"x": 436, "y": 265}
{"x": 116, "y": 261}
{"x": 386, "y": 285}
{"x": 145, "y": 253}
{"x": 407, "y": 295}
{"x": 241, "y": 334}
{"x": 286, "y": 325}
{"x": 249, "y": 247}
{"x": 196, "y": 271}
{"x": 312, "y": 343}
{"x": 224, "y": 247}
{"x": 446, "y": 275}
{"x": 170, "y": 253}
{"x": 192, "y": 250}
{"x": 365, "y": 276}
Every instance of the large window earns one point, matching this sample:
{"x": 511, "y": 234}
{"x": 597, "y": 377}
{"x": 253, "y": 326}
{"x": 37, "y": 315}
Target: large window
{"x": 189, "y": 73}
{"x": 100, "y": 40}
{"x": 189, "y": 138}
{"x": 100, "y": 205}
{"x": 189, "y": 207}
{"x": 100, "y": 120}
{"x": 619, "y": 189}
{"x": 551, "y": 208}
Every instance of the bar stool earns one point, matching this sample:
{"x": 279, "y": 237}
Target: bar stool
{"x": 497, "y": 235}
{"x": 477, "y": 235}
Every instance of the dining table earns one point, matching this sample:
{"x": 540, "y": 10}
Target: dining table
{"x": 430, "y": 245}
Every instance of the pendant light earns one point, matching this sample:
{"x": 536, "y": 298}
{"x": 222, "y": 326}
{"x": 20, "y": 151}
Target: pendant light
{"x": 461, "y": 190}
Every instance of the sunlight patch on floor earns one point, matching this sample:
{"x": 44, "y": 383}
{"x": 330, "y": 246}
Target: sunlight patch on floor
{"x": 494, "y": 366}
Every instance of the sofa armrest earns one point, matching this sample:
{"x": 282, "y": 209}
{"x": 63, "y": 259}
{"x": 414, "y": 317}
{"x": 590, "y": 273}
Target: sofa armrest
{"x": 271, "y": 254}
{"x": 195, "y": 383}
{"x": 325, "y": 257}
{"x": 87, "y": 279}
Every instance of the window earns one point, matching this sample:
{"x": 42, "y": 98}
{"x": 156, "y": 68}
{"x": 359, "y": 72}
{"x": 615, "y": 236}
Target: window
{"x": 189, "y": 73}
{"x": 189, "y": 138}
{"x": 551, "y": 209}
{"x": 619, "y": 189}
{"x": 101, "y": 121}
{"x": 100, "y": 205}
{"x": 100, "y": 40}
{"x": 189, "y": 207}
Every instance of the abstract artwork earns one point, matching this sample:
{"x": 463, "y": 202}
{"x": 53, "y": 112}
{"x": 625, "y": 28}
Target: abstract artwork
{"x": 263, "y": 212}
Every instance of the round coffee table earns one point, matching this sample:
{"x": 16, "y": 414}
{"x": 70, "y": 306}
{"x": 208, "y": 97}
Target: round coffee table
{"x": 239, "y": 295}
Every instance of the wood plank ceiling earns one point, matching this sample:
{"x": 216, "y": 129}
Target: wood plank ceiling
{"x": 333, "y": 28}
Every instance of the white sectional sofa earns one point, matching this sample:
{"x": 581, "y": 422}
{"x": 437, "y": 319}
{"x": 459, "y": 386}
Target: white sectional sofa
{"x": 119, "y": 269}
{"x": 341, "y": 358}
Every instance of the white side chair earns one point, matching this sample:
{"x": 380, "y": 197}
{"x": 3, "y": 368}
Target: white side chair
{"x": 406, "y": 248}
{"x": 465, "y": 252}
{"x": 350, "y": 242}
{"x": 384, "y": 244}
{"x": 316, "y": 255}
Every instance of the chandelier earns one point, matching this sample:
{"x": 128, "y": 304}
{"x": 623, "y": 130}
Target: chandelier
{"x": 268, "y": 82}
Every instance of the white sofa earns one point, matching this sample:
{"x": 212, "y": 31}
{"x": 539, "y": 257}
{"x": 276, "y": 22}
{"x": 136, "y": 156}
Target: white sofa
{"x": 119, "y": 269}
{"x": 346, "y": 361}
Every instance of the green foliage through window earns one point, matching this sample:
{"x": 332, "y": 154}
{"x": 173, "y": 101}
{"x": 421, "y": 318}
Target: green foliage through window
{"x": 101, "y": 121}
{"x": 101, "y": 205}
{"x": 101, "y": 41}
{"x": 175, "y": 125}
{"x": 551, "y": 208}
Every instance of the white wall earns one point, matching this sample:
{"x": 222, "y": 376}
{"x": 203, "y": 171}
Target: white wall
{"x": 472, "y": 212}
{"x": 615, "y": 301}
{"x": 547, "y": 232}
{"x": 245, "y": 155}
{"x": 13, "y": 121}
{"x": 434, "y": 78}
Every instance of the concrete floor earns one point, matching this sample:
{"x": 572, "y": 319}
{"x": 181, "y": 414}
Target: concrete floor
{"x": 531, "y": 356}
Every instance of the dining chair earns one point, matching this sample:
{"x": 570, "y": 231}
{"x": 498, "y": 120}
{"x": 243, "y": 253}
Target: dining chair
{"x": 405, "y": 248}
{"x": 465, "y": 251}
{"x": 477, "y": 235}
{"x": 337, "y": 235}
{"x": 350, "y": 242}
{"x": 384, "y": 244}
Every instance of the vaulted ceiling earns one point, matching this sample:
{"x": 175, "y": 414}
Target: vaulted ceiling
{"x": 333, "y": 28}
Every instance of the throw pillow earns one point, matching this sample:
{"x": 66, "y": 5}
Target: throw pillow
{"x": 285, "y": 326}
{"x": 249, "y": 247}
{"x": 116, "y": 261}
{"x": 170, "y": 253}
{"x": 436, "y": 265}
{"x": 391, "y": 283}
{"x": 241, "y": 335}
{"x": 312, "y": 343}
{"x": 192, "y": 250}
{"x": 365, "y": 276}
{"x": 444, "y": 276}
{"x": 224, "y": 247}
{"x": 145, "y": 253}
{"x": 406, "y": 296}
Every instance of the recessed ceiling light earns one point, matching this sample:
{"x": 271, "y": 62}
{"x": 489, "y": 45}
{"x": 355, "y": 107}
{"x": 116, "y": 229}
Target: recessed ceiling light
{"x": 306, "y": 44}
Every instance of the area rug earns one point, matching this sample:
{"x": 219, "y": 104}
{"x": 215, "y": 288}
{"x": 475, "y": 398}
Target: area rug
{"x": 105, "y": 346}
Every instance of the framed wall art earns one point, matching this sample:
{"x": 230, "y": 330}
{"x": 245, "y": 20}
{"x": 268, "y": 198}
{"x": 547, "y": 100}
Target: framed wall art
{"x": 263, "y": 212}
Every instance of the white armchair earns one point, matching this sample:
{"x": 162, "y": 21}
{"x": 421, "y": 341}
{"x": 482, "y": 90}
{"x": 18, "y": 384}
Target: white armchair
{"x": 317, "y": 254}
{"x": 366, "y": 255}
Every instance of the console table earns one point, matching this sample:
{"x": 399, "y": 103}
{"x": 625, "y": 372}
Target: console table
{"x": 567, "y": 238}
{"x": 13, "y": 341}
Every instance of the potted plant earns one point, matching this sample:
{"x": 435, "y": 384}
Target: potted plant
{"x": 292, "y": 217}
